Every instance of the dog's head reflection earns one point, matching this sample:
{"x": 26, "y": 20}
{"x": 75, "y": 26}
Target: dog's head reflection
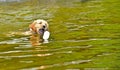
{"x": 35, "y": 40}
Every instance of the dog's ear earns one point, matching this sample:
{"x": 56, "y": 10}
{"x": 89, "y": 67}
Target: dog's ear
{"x": 32, "y": 26}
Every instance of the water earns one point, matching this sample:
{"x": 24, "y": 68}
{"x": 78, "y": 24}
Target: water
{"x": 84, "y": 35}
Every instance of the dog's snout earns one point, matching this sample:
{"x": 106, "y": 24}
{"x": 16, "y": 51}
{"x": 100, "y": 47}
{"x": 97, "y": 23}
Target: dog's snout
{"x": 44, "y": 26}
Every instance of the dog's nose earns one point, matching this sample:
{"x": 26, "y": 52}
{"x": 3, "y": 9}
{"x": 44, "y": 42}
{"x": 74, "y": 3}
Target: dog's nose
{"x": 44, "y": 26}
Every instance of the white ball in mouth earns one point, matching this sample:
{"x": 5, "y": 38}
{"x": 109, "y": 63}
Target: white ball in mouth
{"x": 46, "y": 35}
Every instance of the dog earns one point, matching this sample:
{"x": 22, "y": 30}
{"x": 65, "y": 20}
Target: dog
{"x": 39, "y": 27}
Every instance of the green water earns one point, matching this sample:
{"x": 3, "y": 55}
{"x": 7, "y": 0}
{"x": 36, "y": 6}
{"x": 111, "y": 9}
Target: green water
{"x": 85, "y": 35}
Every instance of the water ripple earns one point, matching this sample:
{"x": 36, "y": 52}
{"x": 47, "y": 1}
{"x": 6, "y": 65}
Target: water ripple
{"x": 26, "y": 61}
{"x": 72, "y": 47}
{"x": 24, "y": 56}
{"x": 59, "y": 64}
{"x": 10, "y": 52}
{"x": 22, "y": 40}
{"x": 20, "y": 51}
{"x": 91, "y": 39}
{"x": 75, "y": 27}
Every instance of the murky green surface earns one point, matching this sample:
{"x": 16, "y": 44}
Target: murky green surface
{"x": 85, "y": 35}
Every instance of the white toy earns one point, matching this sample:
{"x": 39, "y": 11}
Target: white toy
{"x": 46, "y": 36}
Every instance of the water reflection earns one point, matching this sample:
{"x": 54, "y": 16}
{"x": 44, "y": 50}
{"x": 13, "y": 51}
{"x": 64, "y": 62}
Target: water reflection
{"x": 35, "y": 40}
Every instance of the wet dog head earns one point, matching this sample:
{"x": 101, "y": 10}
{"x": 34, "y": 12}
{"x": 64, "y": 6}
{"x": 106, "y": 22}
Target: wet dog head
{"x": 39, "y": 26}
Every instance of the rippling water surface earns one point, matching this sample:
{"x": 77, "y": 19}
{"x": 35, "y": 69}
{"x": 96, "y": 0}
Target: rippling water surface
{"x": 85, "y": 35}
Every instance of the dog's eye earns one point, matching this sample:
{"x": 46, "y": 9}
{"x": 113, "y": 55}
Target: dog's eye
{"x": 40, "y": 23}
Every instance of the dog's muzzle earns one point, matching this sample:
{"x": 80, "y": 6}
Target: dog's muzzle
{"x": 41, "y": 31}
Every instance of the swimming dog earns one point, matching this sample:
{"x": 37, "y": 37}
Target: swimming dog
{"x": 39, "y": 27}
